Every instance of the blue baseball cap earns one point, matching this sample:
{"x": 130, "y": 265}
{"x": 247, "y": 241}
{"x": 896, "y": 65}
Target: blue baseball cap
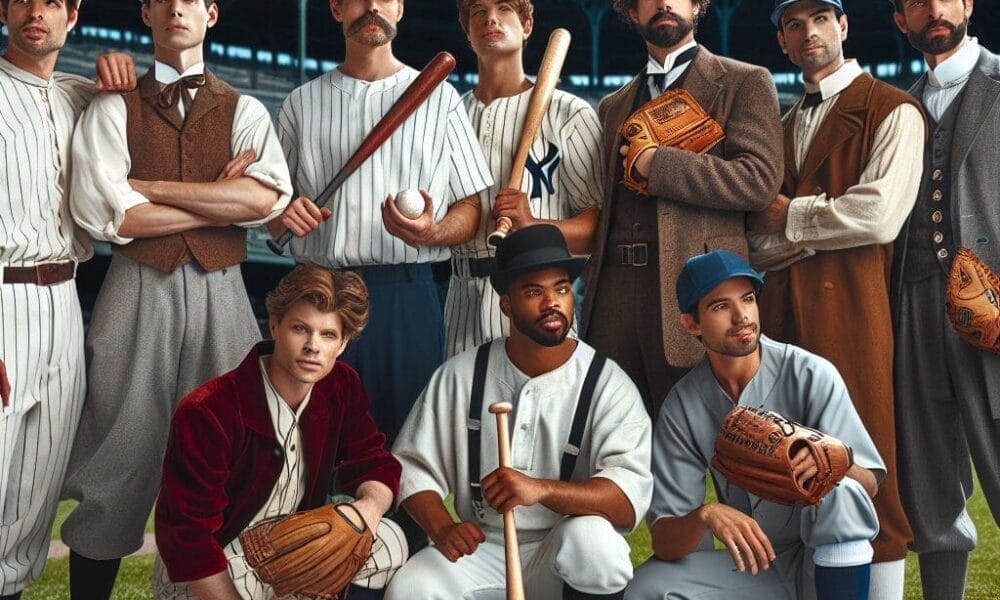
{"x": 703, "y": 272}
{"x": 781, "y": 5}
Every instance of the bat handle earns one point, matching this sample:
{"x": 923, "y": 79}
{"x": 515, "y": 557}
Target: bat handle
{"x": 278, "y": 246}
{"x": 515, "y": 583}
{"x": 503, "y": 228}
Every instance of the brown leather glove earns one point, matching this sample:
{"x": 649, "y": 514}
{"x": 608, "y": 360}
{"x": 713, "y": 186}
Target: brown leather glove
{"x": 674, "y": 119}
{"x": 313, "y": 553}
{"x": 754, "y": 450}
{"x": 972, "y": 301}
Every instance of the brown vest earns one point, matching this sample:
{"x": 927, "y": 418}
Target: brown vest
{"x": 164, "y": 148}
{"x": 836, "y": 303}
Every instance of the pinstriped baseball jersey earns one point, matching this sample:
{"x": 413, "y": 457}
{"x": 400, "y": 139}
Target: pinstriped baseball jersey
{"x": 321, "y": 125}
{"x": 563, "y": 177}
{"x": 41, "y": 329}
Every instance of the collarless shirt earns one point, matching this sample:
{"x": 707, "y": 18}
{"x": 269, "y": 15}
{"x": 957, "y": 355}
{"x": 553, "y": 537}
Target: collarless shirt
{"x": 37, "y": 118}
{"x": 946, "y": 81}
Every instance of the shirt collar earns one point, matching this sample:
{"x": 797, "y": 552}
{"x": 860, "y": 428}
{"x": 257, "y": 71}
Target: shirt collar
{"x": 166, "y": 74}
{"x": 276, "y": 403}
{"x": 21, "y": 75}
{"x": 836, "y": 82}
{"x": 957, "y": 67}
{"x": 654, "y": 67}
{"x": 352, "y": 85}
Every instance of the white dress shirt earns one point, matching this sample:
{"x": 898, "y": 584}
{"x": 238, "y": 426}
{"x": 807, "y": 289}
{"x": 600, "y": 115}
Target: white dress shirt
{"x": 947, "y": 80}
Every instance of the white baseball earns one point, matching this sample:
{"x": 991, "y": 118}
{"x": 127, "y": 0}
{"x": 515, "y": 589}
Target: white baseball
{"x": 410, "y": 203}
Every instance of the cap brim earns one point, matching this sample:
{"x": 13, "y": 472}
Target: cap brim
{"x": 574, "y": 267}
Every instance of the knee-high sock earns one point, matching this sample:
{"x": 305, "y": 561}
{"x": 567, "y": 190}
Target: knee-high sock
{"x": 942, "y": 575}
{"x": 16, "y": 596}
{"x": 888, "y": 580}
{"x": 91, "y": 579}
{"x": 842, "y": 583}
{"x": 573, "y": 594}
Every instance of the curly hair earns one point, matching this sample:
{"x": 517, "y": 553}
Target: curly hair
{"x": 623, "y": 6}
{"x": 342, "y": 292}
{"x": 524, "y": 10}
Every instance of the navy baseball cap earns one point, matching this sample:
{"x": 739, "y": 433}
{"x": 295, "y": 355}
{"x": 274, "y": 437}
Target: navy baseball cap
{"x": 781, "y": 5}
{"x": 703, "y": 272}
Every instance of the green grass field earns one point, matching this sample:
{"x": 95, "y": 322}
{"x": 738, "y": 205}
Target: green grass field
{"x": 133, "y": 581}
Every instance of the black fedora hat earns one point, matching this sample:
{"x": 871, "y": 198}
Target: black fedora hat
{"x": 533, "y": 249}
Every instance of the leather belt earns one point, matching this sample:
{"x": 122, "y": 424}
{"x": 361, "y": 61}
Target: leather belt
{"x": 474, "y": 267}
{"x": 43, "y": 274}
{"x": 630, "y": 255}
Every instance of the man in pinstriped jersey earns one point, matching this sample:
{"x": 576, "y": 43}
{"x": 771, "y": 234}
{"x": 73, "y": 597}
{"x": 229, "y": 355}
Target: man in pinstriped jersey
{"x": 564, "y": 172}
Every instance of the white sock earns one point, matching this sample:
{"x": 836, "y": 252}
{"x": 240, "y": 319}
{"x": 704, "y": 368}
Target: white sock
{"x": 887, "y": 581}
{"x": 843, "y": 554}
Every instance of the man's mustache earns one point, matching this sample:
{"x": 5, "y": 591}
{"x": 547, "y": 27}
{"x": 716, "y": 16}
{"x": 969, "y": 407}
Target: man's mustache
{"x": 939, "y": 23}
{"x": 371, "y": 18}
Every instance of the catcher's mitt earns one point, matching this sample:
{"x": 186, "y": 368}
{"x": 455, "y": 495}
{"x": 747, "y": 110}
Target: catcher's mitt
{"x": 754, "y": 450}
{"x": 972, "y": 301}
{"x": 674, "y": 119}
{"x": 313, "y": 553}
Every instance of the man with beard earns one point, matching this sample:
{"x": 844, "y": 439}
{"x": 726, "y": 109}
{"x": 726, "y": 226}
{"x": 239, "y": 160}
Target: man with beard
{"x": 947, "y": 391}
{"x": 562, "y": 183}
{"x": 696, "y": 202}
{"x": 580, "y": 449}
{"x": 435, "y": 151}
{"x": 853, "y": 151}
{"x": 778, "y": 551}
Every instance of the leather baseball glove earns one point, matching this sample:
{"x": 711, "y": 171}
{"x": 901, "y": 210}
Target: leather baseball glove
{"x": 312, "y": 553}
{"x": 674, "y": 119}
{"x": 972, "y": 301}
{"x": 754, "y": 451}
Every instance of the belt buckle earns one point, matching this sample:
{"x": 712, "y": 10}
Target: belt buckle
{"x": 640, "y": 255}
{"x": 48, "y": 273}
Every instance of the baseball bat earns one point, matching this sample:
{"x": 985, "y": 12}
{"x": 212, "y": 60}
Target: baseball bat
{"x": 538, "y": 104}
{"x": 416, "y": 93}
{"x": 515, "y": 585}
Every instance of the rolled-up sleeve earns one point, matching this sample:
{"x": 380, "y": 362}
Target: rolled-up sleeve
{"x": 100, "y": 193}
{"x": 253, "y": 130}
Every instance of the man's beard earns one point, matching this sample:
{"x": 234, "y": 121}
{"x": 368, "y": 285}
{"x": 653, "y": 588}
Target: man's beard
{"x": 737, "y": 348}
{"x": 540, "y": 336}
{"x": 938, "y": 45}
{"x": 665, "y": 36}
{"x": 374, "y": 40}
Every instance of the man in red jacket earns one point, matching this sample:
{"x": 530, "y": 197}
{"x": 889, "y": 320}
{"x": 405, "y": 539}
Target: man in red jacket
{"x": 268, "y": 438}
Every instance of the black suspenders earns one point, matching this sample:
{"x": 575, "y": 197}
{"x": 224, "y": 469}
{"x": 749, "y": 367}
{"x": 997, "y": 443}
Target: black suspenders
{"x": 570, "y": 451}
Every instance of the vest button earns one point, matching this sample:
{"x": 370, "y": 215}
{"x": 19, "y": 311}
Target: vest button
{"x": 936, "y": 216}
{"x": 938, "y": 237}
{"x": 817, "y": 191}
{"x": 942, "y": 254}
{"x": 828, "y": 285}
{"x": 936, "y": 175}
{"x": 937, "y": 195}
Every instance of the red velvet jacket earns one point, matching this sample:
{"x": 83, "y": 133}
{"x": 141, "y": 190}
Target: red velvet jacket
{"x": 223, "y": 460}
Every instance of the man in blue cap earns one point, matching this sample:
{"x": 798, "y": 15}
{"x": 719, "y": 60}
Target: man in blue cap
{"x": 778, "y": 551}
{"x": 853, "y": 148}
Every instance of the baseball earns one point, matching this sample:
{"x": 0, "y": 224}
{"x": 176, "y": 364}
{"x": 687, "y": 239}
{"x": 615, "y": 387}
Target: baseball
{"x": 410, "y": 203}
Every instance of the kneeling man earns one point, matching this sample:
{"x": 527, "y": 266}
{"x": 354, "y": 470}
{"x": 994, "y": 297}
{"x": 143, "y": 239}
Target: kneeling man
{"x": 778, "y": 551}
{"x": 267, "y": 439}
{"x": 580, "y": 448}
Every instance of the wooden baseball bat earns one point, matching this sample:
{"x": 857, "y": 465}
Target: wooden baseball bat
{"x": 538, "y": 104}
{"x": 416, "y": 93}
{"x": 515, "y": 584}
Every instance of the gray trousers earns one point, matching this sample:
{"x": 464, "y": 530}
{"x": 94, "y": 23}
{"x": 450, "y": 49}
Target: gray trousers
{"x": 153, "y": 338}
{"x": 942, "y": 417}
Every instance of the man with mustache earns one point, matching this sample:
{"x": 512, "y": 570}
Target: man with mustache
{"x": 853, "y": 150}
{"x": 435, "y": 151}
{"x": 947, "y": 391}
{"x": 580, "y": 449}
{"x": 564, "y": 172}
{"x": 778, "y": 551}
{"x": 696, "y": 201}
{"x": 171, "y": 174}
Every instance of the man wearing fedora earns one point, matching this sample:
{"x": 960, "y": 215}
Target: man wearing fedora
{"x": 579, "y": 475}
{"x": 772, "y": 551}
{"x": 853, "y": 153}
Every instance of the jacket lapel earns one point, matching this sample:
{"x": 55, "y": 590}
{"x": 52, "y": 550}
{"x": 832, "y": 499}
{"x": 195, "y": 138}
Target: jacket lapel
{"x": 149, "y": 90}
{"x": 978, "y": 102}
{"x": 704, "y": 81}
{"x": 842, "y": 123}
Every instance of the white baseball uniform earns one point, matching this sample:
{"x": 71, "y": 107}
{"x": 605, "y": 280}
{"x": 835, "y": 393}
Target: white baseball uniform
{"x": 802, "y": 387}
{"x": 564, "y": 176}
{"x": 587, "y": 553}
{"x": 41, "y": 329}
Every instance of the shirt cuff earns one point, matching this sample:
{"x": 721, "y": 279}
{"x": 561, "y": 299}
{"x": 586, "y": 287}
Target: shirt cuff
{"x": 268, "y": 179}
{"x": 799, "y": 226}
{"x": 637, "y": 490}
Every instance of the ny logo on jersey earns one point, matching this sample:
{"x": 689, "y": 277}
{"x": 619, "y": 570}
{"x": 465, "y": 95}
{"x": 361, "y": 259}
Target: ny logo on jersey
{"x": 543, "y": 171}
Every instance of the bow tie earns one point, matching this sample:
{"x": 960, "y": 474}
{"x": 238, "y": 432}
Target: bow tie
{"x": 812, "y": 100}
{"x": 171, "y": 93}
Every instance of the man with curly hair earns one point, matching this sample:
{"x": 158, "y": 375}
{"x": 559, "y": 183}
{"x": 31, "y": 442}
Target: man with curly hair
{"x": 696, "y": 202}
